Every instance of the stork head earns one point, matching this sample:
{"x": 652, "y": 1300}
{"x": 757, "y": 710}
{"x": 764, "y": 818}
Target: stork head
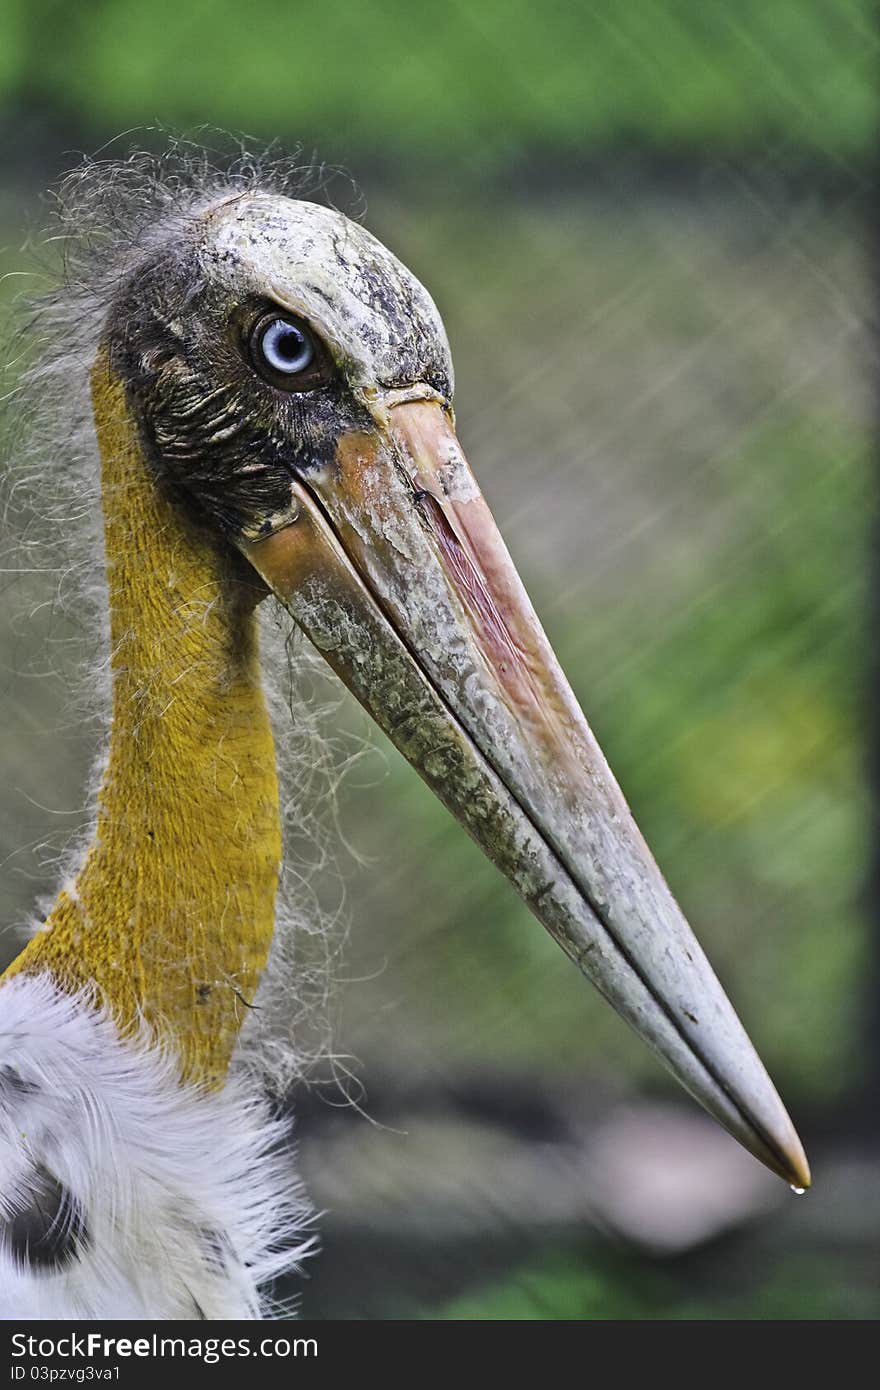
{"x": 292, "y": 383}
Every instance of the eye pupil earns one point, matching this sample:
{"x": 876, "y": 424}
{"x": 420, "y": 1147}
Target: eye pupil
{"x": 283, "y": 347}
{"x": 289, "y": 344}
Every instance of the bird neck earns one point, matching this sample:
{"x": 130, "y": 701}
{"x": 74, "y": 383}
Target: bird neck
{"x": 170, "y": 918}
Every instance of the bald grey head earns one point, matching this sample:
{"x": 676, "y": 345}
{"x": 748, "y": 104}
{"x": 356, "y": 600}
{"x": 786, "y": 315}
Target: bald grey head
{"x": 181, "y": 335}
{"x": 379, "y": 322}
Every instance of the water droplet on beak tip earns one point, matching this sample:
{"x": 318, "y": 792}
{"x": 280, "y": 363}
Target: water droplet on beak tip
{"x": 798, "y": 1191}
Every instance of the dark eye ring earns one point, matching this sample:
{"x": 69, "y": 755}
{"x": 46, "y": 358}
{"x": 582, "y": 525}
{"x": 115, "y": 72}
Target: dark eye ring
{"x": 284, "y": 350}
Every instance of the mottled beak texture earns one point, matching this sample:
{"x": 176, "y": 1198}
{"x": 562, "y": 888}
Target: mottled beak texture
{"x": 391, "y": 562}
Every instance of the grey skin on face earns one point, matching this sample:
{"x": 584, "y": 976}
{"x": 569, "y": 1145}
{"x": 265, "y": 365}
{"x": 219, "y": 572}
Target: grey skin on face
{"x": 344, "y": 485}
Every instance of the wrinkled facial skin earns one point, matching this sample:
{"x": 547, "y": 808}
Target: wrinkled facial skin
{"x": 177, "y": 338}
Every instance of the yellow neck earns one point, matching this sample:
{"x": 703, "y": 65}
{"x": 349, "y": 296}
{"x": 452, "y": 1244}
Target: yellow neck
{"x": 171, "y": 916}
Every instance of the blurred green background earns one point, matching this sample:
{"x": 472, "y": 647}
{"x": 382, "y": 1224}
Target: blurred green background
{"x": 648, "y": 227}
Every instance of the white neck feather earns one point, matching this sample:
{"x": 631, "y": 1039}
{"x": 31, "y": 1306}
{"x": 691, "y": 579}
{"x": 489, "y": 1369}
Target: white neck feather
{"x": 178, "y": 1203}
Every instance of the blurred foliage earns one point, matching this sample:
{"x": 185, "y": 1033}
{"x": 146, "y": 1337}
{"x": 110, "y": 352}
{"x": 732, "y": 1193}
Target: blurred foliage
{"x": 456, "y": 80}
{"x": 612, "y": 1286}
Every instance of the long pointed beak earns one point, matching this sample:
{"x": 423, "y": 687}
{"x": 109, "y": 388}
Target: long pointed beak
{"x": 391, "y": 562}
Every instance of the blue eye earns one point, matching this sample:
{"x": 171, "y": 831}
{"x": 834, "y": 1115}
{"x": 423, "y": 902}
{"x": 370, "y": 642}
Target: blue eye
{"x": 282, "y": 346}
{"x": 287, "y": 353}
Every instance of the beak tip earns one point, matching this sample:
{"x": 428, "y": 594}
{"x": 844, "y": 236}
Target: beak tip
{"x": 791, "y": 1161}
{"x": 799, "y": 1175}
